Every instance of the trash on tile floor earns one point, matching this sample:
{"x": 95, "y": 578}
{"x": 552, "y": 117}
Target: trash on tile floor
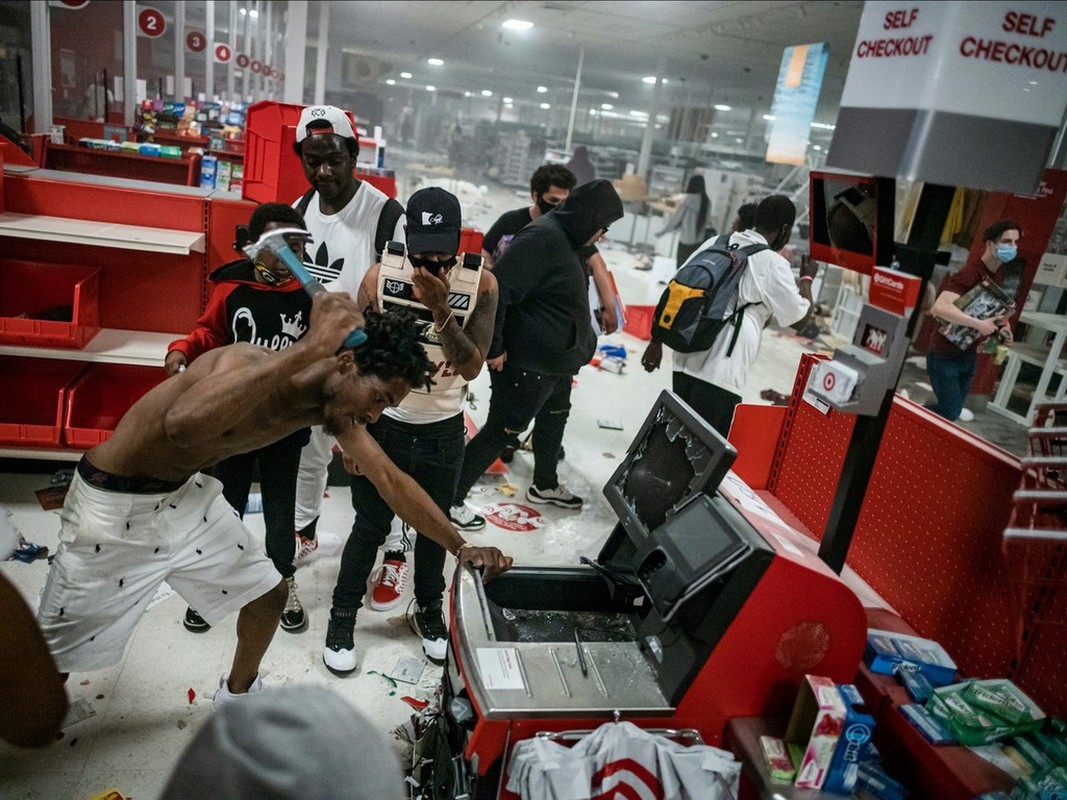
{"x": 192, "y": 695}
{"x": 80, "y": 709}
{"x": 408, "y": 669}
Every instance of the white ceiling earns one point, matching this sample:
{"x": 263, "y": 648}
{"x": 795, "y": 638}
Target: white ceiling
{"x": 709, "y": 52}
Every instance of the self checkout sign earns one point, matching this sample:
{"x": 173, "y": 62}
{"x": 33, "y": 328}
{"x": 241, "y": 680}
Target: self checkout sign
{"x": 151, "y": 23}
{"x": 223, "y": 53}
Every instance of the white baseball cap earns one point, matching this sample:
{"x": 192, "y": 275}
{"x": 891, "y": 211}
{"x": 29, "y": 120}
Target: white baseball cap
{"x": 336, "y": 122}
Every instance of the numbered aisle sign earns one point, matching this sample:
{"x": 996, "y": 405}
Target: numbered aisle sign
{"x": 223, "y": 53}
{"x": 150, "y": 23}
{"x": 195, "y": 41}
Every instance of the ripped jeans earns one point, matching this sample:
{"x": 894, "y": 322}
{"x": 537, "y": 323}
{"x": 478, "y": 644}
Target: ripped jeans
{"x": 519, "y": 397}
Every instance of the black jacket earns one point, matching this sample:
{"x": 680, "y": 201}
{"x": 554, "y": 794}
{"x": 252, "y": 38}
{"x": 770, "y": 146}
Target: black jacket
{"x": 543, "y": 318}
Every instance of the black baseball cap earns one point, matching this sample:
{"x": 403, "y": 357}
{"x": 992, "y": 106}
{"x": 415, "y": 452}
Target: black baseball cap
{"x": 433, "y": 221}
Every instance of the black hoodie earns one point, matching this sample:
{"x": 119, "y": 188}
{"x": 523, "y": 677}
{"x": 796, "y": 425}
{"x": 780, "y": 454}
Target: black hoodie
{"x": 543, "y": 318}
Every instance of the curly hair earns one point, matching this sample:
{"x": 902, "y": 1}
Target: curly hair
{"x": 393, "y": 350}
{"x": 548, "y": 175}
{"x": 273, "y": 212}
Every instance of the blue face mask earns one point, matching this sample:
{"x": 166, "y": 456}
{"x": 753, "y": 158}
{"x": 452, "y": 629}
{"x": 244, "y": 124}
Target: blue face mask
{"x": 1006, "y": 253}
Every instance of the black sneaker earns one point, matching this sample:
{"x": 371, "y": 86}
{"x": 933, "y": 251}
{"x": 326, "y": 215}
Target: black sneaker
{"x": 194, "y": 623}
{"x": 507, "y": 455}
{"x": 560, "y": 496}
{"x": 294, "y": 619}
{"x": 339, "y": 655}
{"x": 430, "y": 623}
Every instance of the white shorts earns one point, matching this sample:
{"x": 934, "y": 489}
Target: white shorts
{"x": 117, "y": 548}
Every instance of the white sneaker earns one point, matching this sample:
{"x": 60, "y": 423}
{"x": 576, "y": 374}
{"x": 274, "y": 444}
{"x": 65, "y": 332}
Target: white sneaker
{"x": 223, "y": 695}
{"x": 339, "y": 654}
{"x": 464, "y": 519}
{"x": 560, "y": 496}
{"x": 304, "y": 549}
{"x": 430, "y": 623}
{"x": 904, "y": 394}
{"x": 966, "y": 415}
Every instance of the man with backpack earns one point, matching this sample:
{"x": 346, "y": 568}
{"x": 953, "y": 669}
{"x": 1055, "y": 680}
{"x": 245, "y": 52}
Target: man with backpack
{"x": 350, "y": 222}
{"x": 715, "y": 309}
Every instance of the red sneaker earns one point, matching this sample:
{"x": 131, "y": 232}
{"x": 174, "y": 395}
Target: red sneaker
{"x": 389, "y": 583}
{"x": 304, "y": 549}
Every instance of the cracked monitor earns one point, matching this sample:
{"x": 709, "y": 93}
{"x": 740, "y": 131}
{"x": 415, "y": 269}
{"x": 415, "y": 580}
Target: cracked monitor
{"x": 674, "y": 457}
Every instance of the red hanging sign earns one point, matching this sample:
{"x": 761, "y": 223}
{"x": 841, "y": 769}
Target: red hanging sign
{"x": 151, "y": 23}
{"x": 195, "y": 41}
{"x": 223, "y": 53}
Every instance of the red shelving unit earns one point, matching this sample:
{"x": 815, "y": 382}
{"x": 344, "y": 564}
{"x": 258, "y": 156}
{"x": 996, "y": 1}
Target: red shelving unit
{"x": 183, "y": 171}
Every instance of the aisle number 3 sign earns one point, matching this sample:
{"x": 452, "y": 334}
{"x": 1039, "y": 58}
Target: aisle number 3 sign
{"x": 151, "y": 23}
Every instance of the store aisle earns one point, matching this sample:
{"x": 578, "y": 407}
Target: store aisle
{"x": 131, "y": 722}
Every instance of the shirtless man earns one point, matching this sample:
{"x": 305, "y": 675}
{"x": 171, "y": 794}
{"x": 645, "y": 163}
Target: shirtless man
{"x": 139, "y": 511}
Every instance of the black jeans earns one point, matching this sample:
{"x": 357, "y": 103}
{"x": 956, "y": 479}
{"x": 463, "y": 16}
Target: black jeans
{"x": 278, "y": 465}
{"x": 518, "y": 397}
{"x": 431, "y": 454}
{"x": 713, "y": 403}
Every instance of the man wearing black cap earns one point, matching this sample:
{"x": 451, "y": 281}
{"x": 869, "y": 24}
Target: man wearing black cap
{"x": 455, "y": 301}
{"x": 542, "y": 337}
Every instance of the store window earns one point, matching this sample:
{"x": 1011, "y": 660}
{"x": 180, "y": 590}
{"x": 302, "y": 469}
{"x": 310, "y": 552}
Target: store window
{"x": 16, "y": 64}
{"x": 87, "y": 61}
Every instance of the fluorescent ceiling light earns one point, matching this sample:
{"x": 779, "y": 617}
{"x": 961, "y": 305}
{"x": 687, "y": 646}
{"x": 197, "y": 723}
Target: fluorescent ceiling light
{"x": 816, "y": 147}
{"x": 649, "y": 79}
{"x": 592, "y": 112}
{"x": 406, "y": 76}
{"x": 545, "y": 106}
{"x": 253, "y": 14}
{"x": 714, "y": 135}
{"x": 435, "y": 62}
{"x": 390, "y": 82}
{"x": 739, "y": 140}
{"x": 607, "y": 106}
{"x": 542, "y": 89}
{"x": 822, "y": 126}
{"x": 721, "y": 107}
{"x": 509, "y": 100}
{"x": 638, "y": 114}
{"x": 431, "y": 88}
{"x": 243, "y": 11}
{"x": 466, "y": 94}
{"x": 517, "y": 25}
{"x": 486, "y": 93}
{"x": 769, "y": 117}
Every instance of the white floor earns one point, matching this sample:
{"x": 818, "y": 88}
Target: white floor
{"x": 145, "y": 709}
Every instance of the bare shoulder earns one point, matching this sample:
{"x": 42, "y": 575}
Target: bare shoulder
{"x": 231, "y": 357}
{"x": 487, "y": 283}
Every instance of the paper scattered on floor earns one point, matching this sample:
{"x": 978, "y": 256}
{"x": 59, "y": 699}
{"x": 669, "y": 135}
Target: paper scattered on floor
{"x": 79, "y": 710}
{"x": 408, "y": 669}
{"x": 164, "y": 592}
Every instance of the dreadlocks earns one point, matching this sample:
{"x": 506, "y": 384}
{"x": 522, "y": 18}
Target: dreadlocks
{"x": 392, "y": 349}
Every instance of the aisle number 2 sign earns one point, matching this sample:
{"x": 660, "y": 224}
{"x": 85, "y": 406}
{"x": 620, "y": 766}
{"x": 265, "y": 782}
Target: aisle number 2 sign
{"x": 195, "y": 41}
{"x": 223, "y": 53}
{"x": 151, "y": 23}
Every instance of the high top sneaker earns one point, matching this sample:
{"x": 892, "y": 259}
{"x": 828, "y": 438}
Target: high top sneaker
{"x": 430, "y": 623}
{"x": 294, "y": 619}
{"x": 339, "y": 655}
{"x": 463, "y": 518}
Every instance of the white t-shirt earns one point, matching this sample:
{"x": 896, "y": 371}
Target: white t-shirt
{"x": 341, "y": 249}
{"x": 768, "y": 281}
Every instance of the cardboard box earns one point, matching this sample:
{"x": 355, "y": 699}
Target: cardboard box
{"x": 886, "y": 648}
{"x": 814, "y": 728}
{"x": 854, "y": 746}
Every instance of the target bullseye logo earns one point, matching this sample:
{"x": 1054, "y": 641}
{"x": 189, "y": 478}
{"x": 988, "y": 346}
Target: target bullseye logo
{"x": 829, "y": 380}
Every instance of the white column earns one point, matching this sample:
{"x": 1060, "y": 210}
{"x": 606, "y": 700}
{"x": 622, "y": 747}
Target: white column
{"x": 320, "y": 61}
{"x": 179, "y": 50}
{"x": 650, "y": 128}
{"x": 296, "y": 34}
{"x": 129, "y": 62}
{"x": 209, "y": 62}
{"x": 248, "y": 48}
{"x": 574, "y": 97}
{"x": 231, "y": 32}
{"x": 268, "y": 53}
{"x": 41, "y": 44}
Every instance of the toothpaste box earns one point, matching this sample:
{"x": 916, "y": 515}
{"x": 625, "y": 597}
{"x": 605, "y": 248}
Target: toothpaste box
{"x": 814, "y": 728}
{"x": 854, "y": 746}
{"x": 885, "y": 649}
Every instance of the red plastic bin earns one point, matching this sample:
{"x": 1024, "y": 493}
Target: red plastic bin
{"x": 28, "y": 289}
{"x": 101, "y": 395}
{"x": 32, "y": 403}
{"x": 639, "y": 321}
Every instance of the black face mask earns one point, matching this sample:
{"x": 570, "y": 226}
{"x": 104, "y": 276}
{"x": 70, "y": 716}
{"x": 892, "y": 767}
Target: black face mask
{"x": 433, "y": 267}
{"x": 544, "y": 206}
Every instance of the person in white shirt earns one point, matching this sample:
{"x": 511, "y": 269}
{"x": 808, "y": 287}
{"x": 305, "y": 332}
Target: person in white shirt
{"x": 710, "y": 380}
{"x": 350, "y": 223}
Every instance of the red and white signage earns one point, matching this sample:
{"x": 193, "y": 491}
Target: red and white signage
{"x": 275, "y": 73}
{"x": 514, "y": 517}
{"x": 257, "y": 67}
{"x": 896, "y": 292}
{"x": 151, "y": 23}
{"x": 223, "y": 53}
{"x": 243, "y": 60}
{"x": 71, "y": 4}
{"x": 195, "y": 41}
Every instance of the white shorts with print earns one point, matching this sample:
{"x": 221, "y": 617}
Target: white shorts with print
{"x": 117, "y": 548}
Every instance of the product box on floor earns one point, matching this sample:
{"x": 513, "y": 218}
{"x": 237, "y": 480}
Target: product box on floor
{"x": 886, "y": 649}
{"x": 828, "y": 736}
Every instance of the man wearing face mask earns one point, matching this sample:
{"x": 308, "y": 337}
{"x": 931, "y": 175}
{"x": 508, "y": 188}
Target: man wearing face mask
{"x": 952, "y": 369}
{"x": 712, "y": 380}
{"x": 455, "y": 300}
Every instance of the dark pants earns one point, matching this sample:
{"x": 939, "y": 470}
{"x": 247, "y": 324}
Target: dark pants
{"x": 683, "y": 251}
{"x": 714, "y": 404}
{"x": 518, "y": 397}
{"x": 431, "y": 454}
{"x": 278, "y": 465}
{"x": 951, "y": 380}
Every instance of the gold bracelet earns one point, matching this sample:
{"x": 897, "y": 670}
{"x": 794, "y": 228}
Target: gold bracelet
{"x": 462, "y": 547}
{"x": 441, "y": 327}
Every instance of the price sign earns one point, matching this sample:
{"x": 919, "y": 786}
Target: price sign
{"x": 195, "y": 41}
{"x": 223, "y": 53}
{"x": 150, "y": 23}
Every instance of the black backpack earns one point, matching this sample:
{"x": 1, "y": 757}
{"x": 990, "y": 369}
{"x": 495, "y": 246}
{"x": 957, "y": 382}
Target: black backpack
{"x": 387, "y": 219}
{"x": 702, "y": 299}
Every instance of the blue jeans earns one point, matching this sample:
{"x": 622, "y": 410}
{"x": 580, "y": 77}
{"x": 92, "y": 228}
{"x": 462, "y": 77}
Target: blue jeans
{"x": 951, "y": 379}
{"x": 431, "y": 454}
{"x": 518, "y": 397}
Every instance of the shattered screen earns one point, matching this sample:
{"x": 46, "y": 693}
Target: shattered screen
{"x": 674, "y": 457}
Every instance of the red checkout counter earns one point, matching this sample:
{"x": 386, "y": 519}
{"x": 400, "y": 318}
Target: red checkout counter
{"x": 703, "y": 605}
